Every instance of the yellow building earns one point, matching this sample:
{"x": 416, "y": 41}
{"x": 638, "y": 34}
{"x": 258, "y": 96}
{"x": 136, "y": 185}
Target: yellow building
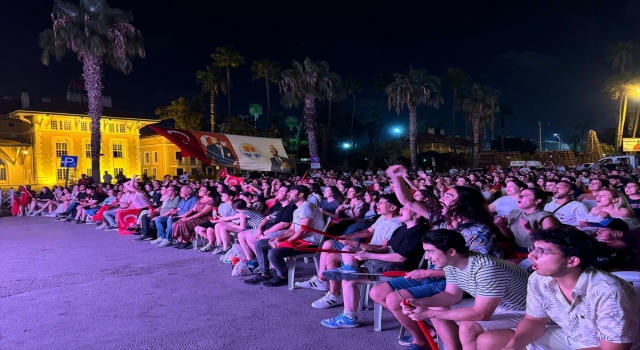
{"x": 33, "y": 138}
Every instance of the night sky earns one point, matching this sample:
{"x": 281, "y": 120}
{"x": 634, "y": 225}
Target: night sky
{"x": 547, "y": 58}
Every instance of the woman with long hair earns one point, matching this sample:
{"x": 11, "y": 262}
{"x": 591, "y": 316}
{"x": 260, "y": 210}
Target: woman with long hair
{"x": 332, "y": 200}
{"x": 371, "y": 199}
{"x": 612, "y": 203}
{"x": 349, "y": 211}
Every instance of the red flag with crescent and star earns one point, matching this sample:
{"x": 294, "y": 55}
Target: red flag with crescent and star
{"x": 187, "y": 142}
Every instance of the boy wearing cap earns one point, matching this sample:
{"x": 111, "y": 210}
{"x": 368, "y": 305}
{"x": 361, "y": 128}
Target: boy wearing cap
{"x": 615, "y": 252}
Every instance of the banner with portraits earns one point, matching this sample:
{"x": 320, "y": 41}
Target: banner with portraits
{"x": 232, "y": 151}
{"x": 630, "y": 144}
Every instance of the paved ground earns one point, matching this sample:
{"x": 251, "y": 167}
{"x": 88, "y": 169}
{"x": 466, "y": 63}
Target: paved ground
{"x": 68, "y": 286}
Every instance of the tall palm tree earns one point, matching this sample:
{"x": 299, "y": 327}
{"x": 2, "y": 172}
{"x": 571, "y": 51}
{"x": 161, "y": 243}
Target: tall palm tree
{"x": 622, "y": 86}
{"x": 255, "y": 109}
{"x": 480, "y": 104}
{"x": 622, "y": 54}
{"x": 227, "y": 58}
{"x": 270, "y": 71}
{"x": 98, "y": 34}
{"x": 353, "y": 85}
{"x": 454, "y": 79}
{"x": 410, "y": 90}
{"x": 505, "y": 111}
{"x": 335, "y": 93}
{"x": 212, "y": 82}
{"x": 307, "y": 82}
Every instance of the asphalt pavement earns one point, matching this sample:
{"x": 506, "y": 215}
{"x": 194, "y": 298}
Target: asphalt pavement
{"x": 69, "y": 286}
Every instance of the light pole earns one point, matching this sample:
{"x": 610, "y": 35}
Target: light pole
{"x": 397, "y": 131}
{"x": 559, "y": 141}
{"x": 540, "y": 135}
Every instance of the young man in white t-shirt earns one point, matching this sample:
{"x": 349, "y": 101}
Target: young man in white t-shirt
{"x": 564, "y": 208}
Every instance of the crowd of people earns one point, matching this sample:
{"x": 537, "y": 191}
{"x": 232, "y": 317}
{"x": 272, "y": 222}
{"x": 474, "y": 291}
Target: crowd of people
{"x": 494, "y": 258}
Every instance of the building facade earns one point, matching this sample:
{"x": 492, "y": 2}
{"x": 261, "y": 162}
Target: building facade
{"x": 34, "y": 138}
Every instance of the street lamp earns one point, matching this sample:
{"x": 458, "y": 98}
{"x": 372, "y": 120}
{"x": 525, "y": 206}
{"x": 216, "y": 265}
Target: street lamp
{"x": 559, "y": 140}
{"x": 397, "y": 131}
{"x": 346, "y": 145}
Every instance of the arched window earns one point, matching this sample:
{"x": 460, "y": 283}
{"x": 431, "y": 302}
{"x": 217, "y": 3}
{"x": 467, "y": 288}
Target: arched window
{"x": 3, "y": 170}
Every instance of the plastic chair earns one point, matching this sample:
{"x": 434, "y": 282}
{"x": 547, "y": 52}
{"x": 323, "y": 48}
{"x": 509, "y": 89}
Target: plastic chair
{"x": 632, "y": 277}
{"x": 291, "y": 261}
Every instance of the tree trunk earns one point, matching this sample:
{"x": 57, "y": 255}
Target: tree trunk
{"x": 229, "y": 95}
{"x": 635, "y": 123}
{"x": 213, "y": 110}
{"x": 310, "y": 120}
{"x": 92, "y": 74}
{"x": 268, "y": 108}
{"x": 623, "y": 117}
{"x": 618, "y": 141}
{"x": 502, "y": 133}
{"x": 475, "y": 124}
{"x": 353, "y": 117}
{"x": 413, "y": 134}
{"x": 453, "y": 127}
{"x": 325, "y": 138}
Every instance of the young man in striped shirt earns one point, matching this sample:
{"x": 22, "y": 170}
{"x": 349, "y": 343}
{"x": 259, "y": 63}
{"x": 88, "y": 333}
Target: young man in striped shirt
{"x": 499, "y": 289}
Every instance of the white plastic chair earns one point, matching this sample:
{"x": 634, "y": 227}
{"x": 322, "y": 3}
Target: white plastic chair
{"x": 291, "y": 261}
{"x": 632, "y": 277}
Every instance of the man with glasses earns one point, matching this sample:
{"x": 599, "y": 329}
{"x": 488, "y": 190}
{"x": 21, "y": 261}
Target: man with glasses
{"x": 592, "y": 309}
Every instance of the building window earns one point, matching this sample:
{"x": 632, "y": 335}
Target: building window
{"x": 84, "y": 126}
{"x": 155, "y": 157}
{"x": 178, "y": 155}
{"x": 117, "y": 171}
{"x": 61, "y": 174}
{"x": 66, "y": 125}
{"x": 145, "y": 171}
{"x": 3, "y": 170}
{"x": 146, "y": 157}
{"x": 192, "y": 161}
{"x": 54, "y": 125}
{"x": 87, "y": 150}
{"x": 117, "y": 151}
{"x": 89, "y": 172}
{"x": 11, "y": 125}
{"x": 122, "y": 129}
{"x": 154, "y": 172}
{"x": 112, "y": 128}
{"x": 61, "y": 149}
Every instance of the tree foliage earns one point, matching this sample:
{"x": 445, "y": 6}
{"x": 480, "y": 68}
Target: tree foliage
{"x": 185, "y": 113}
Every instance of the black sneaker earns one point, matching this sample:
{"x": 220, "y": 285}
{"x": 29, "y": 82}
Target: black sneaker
{"x": 178, "y": 246}
{"x": 275, "y": 281}
{"x": 137, "y": 233}
{"x": 111, "y": 228}
{"x": 61, "y": 218}
{"x": 257, "y": 279}
{"x": 68, "y": 220}
{"x": 144, "y": 238}
{"x": 79, "y": 222}
{"x": 186, "y": 246}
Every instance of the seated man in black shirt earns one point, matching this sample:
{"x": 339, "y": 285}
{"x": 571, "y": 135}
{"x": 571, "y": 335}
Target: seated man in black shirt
{"x": 402, "y": 252}
{"x": 93, "y": 198}
{"x": 616, "y": 253}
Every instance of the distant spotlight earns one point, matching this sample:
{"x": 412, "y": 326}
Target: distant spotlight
{"x": 346, "y": 145}
{"x": 397, "y": 130}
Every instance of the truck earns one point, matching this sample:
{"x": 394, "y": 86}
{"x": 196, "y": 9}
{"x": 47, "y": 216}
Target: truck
{"x": 632, "y": 161}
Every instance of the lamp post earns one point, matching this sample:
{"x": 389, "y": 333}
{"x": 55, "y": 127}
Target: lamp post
{"x": 559, "y": 141}
{"x": 540, "y": 135}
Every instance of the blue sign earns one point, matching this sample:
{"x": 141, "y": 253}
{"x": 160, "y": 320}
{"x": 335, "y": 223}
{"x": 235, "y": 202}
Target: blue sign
{"x": 69, "y": 161}
{"x": 315, "y": 159}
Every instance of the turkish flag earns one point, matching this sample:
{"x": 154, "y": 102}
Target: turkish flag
{"x": 233, "y": 180}
{"x": 125, "y": 219}
{"x": 188, "y": 143}
{"x": 223, "y": 173}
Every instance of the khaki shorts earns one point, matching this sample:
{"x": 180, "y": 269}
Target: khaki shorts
{"x": 501, "y": 318}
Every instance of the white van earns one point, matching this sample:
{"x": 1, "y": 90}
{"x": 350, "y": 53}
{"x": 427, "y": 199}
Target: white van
{"x": 632, "y": 161}
{"x": 529, "y": 163}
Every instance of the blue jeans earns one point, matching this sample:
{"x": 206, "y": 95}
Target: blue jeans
{"x": 71, "y": 211}
{"x": 358, "y": 226}
{"x": 427, "y": 287}
{"x": 164, "y": 224}
{"x": 110, "y": 217}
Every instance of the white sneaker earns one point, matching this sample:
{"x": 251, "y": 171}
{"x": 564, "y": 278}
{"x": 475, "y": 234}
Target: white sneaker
{"x": 157, "y": 240}
{"x": 101, "y": 227}
{"x": 50, "y": 215}
{"x": 327, "y": 301}
{"x": 165, "y": 243}
{"x": 314, "y": 283}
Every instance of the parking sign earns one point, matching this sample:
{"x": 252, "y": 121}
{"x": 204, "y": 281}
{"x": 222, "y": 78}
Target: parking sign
{"x": 69, "y": 161}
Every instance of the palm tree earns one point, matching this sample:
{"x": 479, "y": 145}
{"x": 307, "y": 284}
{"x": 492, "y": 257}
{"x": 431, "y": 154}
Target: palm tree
{"x": 622, "y": 86}
{"x": 622, "y": 54}
{"x": 307, "y": 82}
{"x": 98, "y": 34}
{"x": 505, "y": 111}
{"x": 481, "y": 105}
{"x": 291, "y": 122}
{"x": 415, "y": 88}
{"x": 212, "y": 82}
{"x": 454, "y": 79}
{"x": 353, "y": 85}
{"x": 335, "y": 93}
{"x": 270, "y": 71}
{"x": 227, "y": 58}
{"x": 255, "y": 109}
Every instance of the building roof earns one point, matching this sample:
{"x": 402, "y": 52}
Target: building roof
{"x": 65, "y": 107}
{"x": 437, "y": 138}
